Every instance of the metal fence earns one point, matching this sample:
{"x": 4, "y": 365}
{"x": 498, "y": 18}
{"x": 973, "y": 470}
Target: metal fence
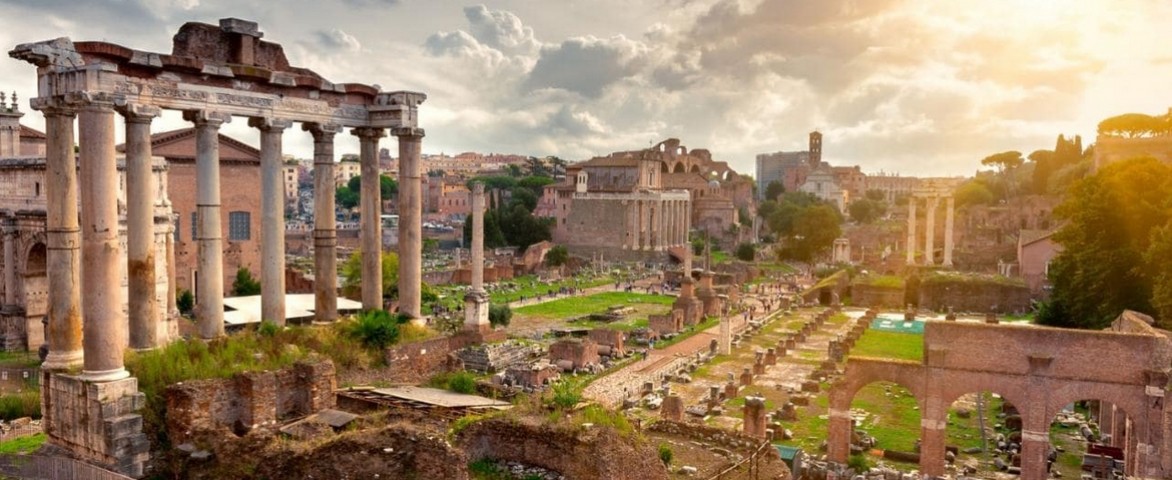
{"x": 38, "y": 467}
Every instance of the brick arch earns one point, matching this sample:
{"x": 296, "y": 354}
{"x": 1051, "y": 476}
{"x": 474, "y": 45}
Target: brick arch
{"x": 861, "y": 372}
{"x": 1009, "y": 390}
{"x": 1129, "y": 398}
{"x": 35, "y": 255}
{"x": 679, "y": 167}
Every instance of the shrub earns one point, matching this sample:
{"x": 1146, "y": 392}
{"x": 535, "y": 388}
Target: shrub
{"x": 23, "y": 404}
{"x": 499, "y": 315}
{"x": 268, "y": 329}
{"x": 185, "y": 301}
{"x": 459, "y": 382}
{"x": 245, "y": 283}
{"x": 665, "y": 454}
{"x": 557, "y": 256}
{"x": 566, "y": 395}
{"x": 858, "y": 463}
{"x": 746, "y": 252}
{"x": 376, "y": 329}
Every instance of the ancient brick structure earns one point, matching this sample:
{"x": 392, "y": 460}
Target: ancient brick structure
{"x": 610, "y": 342}
{"x": 1038, "y": 370}
{"x": 670, "y": 322}
{"x": 249, "y": 399}
{"x": 672, "y": 408}
{"x": 573, "y": 354}
{"x": 754, "y": 413}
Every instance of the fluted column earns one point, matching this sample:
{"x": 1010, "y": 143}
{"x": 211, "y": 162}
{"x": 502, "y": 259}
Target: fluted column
{"x": 62, "y": 235}
{"x": 477, "y": 238}
{"x": 325, "y": 236}
{"x": 140, "y": 227}
{"x": 272, "y": 225}
{"x": 632, "y": 240}
{"x": 948, "y": 232}
{"x": 370, "y": 206}
{"x": 930, "y": 231}
{"x": 911, "y": 230}
{"x": 209, "y": 308}
{"x": 410, "y": 221}
{"x": 104, "y": 335}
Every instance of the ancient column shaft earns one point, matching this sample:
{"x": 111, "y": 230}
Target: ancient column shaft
{"x": 370, "y": 206}
{"x": 930, "y": 231}
{"x": 272, "y": 227}
{"x": 478, "y": 238}
{"x": 948, "y": 232}
{"x": 140, "y": 228}
{"x": 325, "y": 236}
{"x": 911, "y": 230}
{"x": 63, "y": 240}
{"x": 10, "y": 264}
{"x": 410, "y": 221}
{"x": 104, "y": 336}
{"x": 209, "y": 308}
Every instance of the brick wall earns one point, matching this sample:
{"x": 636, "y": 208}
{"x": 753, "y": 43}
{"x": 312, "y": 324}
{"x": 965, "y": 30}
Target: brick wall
{"x": 416, "y": 362}
{"x": 238, "y": 192}
{"x": 250, "y": 398}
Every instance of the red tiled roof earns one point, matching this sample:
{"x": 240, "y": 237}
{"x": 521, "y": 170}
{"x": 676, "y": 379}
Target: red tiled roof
{"x": 27, "y": 132}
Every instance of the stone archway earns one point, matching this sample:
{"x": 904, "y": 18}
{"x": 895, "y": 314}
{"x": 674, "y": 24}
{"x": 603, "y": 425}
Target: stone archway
{"x": 679, "y": 168}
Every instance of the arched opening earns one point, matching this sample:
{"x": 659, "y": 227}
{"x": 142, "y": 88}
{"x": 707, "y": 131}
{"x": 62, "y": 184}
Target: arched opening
{"x": 983, "y": 434}
{"x": 680, "y": 168}
{"x": 885, "y": 420}
{"x": 694, "y": 169}
{"x": 1090, "y": 435}
{"x": 663, "y": 167}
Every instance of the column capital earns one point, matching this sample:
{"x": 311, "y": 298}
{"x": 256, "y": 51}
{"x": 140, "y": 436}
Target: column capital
{"x": 269, "y": 124}
{"x": 369, "y": 133}
{"x": 138, "y": 113}
{"x": 91, "y": 101}
{"x": 322, "y": 132}
{"x": 206, "y": 118}
{"x": 407, "y": 132}
{"x": 52, "y": 106}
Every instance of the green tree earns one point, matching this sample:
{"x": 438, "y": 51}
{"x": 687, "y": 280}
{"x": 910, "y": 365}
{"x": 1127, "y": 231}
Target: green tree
{"x": 557, "y": 256}
{"x": 346, "y": 198}
{"x": 774, "y": 190}
{"x": 245, "y": 284}
{"x": 1004, "y": 161}
{"x": 866, "y": 210}
{"x": 765, "y": 209}
{"x": 1133, "y": 125}
{"x": 814, "y": 231}
{"x": 746, "y": 252}
{"x": 1114, "y": 221}
{"x": 352, "y": 274}
{"x": 535, "y": 183}
{"x": 524, "y": 197}
{"x": 973, "y": 192}
{"x": 185, "y": 301}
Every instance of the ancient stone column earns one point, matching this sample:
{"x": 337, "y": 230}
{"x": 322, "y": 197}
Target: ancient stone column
{"x": 9, "y": 230}
{"x": 272, "y": 225}
{"x": 172, "y": 302}
{"x": 142, "y": 306}
{"x": 370, "y": 204}
{"x": 839, "y": 429}
{"x": 632, "y": 225}
{"x": 948, "y": 232}
{"x": 1035, "y": 445}
{"x": 911, "y": 230}
{"x": 325, "y": 235}
{"x": 410, "y": 221}
{"x": 754, "y": 414}
{"x": 724, "y": 342}
{"x": 209, "y": 298}
{"x": 930, "y": 231}
{"x": 104, "y": 335}
{"x": 62, "y": 235}
{"x": 476, "y": 301}
{"x": 932, "y": 440}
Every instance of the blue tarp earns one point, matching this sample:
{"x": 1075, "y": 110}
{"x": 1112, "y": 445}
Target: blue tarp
{"x": 892, "y": 323}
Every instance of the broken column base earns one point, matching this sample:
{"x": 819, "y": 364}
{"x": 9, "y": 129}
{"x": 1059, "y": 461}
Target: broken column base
{"x": 476, "y": 313}
{"x": 96, "y": 421}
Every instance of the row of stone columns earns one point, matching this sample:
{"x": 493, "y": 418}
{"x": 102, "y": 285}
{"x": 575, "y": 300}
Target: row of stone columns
{"x": 97, "y": 235}
{"x": 656, "y": 224}
{"x": 932, "y": 203}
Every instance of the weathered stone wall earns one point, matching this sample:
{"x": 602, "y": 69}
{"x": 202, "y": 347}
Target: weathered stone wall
{"x": 730, "y": 439}
{"x": 594, "y": 454}
{"x": 863, "y": 295}
{"x": 973, "y": 295}
{"x": 96, "y": 422}
{"x": 249, "y": 399}
{"x": 238, "y": 193}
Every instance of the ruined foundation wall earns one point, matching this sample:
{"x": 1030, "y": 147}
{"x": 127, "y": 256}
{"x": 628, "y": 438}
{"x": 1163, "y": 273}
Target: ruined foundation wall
{"x": 96, "y": 422}
{"x": 251, "y": 398}
{"x": 873, "y": 296}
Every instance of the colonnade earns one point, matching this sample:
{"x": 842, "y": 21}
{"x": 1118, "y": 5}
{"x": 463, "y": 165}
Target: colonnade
{"x": 655, "y": 223}
{"x": 932, "y": 200}
{"x": 83, "y": 250}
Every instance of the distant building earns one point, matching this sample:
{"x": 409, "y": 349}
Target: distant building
{"x": 1035, "y": 250}
{"x": 822, "y": 184}
{"x": 789, "y": 168}
{"x": 346, "y": 169}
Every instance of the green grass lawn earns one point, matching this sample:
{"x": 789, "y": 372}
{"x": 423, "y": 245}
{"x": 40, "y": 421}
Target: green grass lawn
{"x": 27, "y": 359}
{"x": 566, "y": 308}
{"x": 689, "y": 331}
{"x": 897, "y": 346}
{"x": 22, "y": 445}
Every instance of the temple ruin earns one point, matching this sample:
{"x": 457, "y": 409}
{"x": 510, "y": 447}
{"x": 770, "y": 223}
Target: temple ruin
{"x": 212, "y": 74}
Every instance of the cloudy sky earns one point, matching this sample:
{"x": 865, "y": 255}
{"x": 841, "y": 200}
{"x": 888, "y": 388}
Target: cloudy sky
{"x": 920, "y": 87}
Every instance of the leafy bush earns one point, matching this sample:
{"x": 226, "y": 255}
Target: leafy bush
{"x": 566, "y": 394}
{"x": 376, "y": 329}
{"x": 499, "y": 315}
{"x": 746, "y": 252}
{"x": 268, "y": 329}
{"x": 459, "y": 382}
{"x": 185, "y": 301}
{"x": 665, "y": 454}
{"x": 557, "y": 256}
{"x": 245, "y": 283}
{"x": 23, "y": 404}
{"x": 858, "y": 463}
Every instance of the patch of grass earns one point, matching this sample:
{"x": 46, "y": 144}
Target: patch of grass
{"x": 566, "y": 394}
{"x": 23, "y": 404}
{"x": 883, "y": 281}
{"x": 893, "y": 345}
{"x": 21, "y": 445}
{"x": 485, "y": 469}
{"x": 26, "y": 359}
{"x": 571, "y": 307}
{"x": 694, "y": 329}
{"x": 459, "y": 382}
{"x": 600, "y": 416}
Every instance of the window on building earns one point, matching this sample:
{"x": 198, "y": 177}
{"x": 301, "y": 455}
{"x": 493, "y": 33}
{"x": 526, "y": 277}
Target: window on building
{"x": 193, "y": 226}
{"x": 178, "y": 224}
{"x": 239, "y": 226}
{"x": 38, "y": 189}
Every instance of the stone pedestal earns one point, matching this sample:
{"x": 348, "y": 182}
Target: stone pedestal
{"x": 755, "y": 416}
{"x": 724, "y": 342}
{"x": 96, "y": 421}
{"x": 746, "y": 377}
{"x": 672, "y": 408}
{"x": 476, "y": 312}
{"x": 730, "y": 390}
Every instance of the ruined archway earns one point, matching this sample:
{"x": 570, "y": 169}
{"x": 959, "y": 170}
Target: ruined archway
{"x": 679, "y": 168}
